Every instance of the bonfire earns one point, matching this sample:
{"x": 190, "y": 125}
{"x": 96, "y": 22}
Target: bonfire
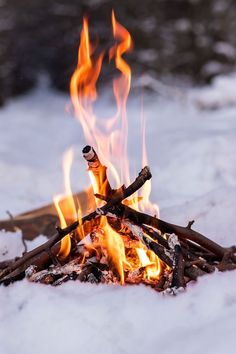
{"x": 110, "y": 233}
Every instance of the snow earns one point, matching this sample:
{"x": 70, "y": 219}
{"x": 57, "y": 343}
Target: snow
{"x": 220, "y": 94}
{"x": 225, "y": 49}
{"x": 192, "y": 158}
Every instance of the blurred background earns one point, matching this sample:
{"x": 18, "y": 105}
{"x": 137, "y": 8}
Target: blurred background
{"x": 194, "y": 39}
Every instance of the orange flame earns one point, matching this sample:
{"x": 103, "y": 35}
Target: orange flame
{"x": 66, "y": 209}
{"x": 145, "y": 204}
{"x": 151, "y": 262}
{"x": 115, "y": 248}
{"x": 65, "y": 245}
{"x": 110, "y": 141}
{"x": 121, "y": 88}
{"x": 83, "y": 84}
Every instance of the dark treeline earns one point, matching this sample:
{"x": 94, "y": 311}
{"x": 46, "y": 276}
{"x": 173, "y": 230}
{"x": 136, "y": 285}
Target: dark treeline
{"x": 191, "y": 37}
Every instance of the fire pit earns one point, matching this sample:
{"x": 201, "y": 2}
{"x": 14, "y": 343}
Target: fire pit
{"x": 120, "y": 238}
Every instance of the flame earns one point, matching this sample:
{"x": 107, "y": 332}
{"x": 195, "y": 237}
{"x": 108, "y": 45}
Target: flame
{"x": 83, "y": 84}
{"x": 65, "y": 245}
{"x": 115, "y": 248}
{"x": 66, "y": 209}
{"x": 145, "y": 204}
{"x": 109, "y": 138}
{"x": 151, "y": 262}
{"x": 121, "y": 88}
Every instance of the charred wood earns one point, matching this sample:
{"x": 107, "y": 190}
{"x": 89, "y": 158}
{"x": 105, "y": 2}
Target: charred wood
{"x": 178, "y": 263}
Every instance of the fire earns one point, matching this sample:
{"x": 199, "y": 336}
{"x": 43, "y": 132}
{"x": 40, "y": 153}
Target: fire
{"x": 151, "y": 263}
{"x": 145, "y": 204}
{"x": 66, "y": 210}
{"x": 110, "y": 141}
{"x": 116, "y": 248}
{"x": 83, "y": 84}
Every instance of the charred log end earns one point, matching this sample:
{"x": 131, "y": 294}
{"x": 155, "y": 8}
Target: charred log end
{"x": 145, "y": 173}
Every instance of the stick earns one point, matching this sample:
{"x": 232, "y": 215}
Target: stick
{"x": 178, "y": 263}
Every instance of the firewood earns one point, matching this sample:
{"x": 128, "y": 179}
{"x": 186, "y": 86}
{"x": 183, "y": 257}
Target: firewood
{"x": 177, "y": 264}
{"x": 193, "y": 254}
{"x": 21, "y": 264}
{"x": 181, "y": 231}
{"x": 16, "y": 270}
{"x": 178, "y": 281}
{"x": 188, "y": 256}
{"x": 184, "y": 233}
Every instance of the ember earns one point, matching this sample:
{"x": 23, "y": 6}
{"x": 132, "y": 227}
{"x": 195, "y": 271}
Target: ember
{"x": 110, "y": 238}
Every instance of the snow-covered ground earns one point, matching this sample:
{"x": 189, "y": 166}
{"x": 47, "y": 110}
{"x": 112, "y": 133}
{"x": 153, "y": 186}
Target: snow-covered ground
{"x": 193, "y": 161}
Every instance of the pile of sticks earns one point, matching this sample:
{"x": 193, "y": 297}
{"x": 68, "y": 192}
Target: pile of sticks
{"x": 186, "y": 254}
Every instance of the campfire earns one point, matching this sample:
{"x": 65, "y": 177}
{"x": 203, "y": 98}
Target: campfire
{"x": 110, "y": 233}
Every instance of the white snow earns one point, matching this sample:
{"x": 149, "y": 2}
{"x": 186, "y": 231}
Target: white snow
{"x": 225, "y": 49}
{"x": 193, "y": 162}
{"x": 221, "y": 93}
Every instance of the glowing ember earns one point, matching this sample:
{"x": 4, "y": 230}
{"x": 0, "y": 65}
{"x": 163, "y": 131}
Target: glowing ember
{"x": 129, "y": 258}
